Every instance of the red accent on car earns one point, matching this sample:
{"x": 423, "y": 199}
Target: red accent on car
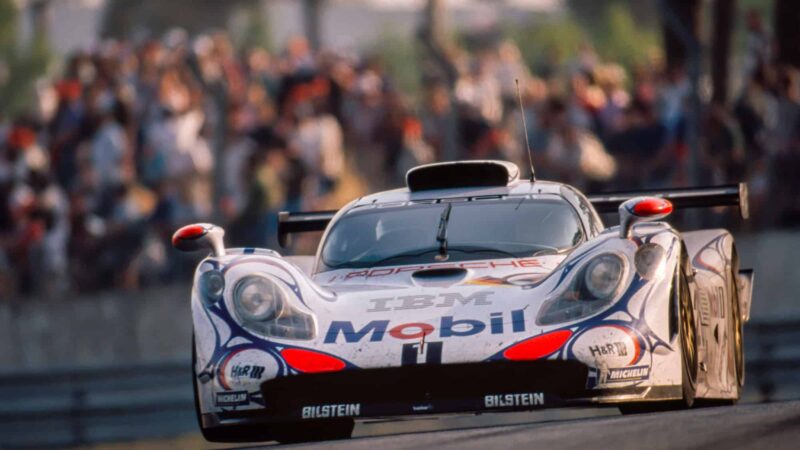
{"x": 538, "y": 346}
{"x": 652, "y": 207}
{"x": 309, "y": 361}
{"x": 188, "y": 232}
{"x": 422, "y": 329}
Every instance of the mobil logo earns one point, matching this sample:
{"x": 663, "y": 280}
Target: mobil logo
{"x": 341, "y": 331}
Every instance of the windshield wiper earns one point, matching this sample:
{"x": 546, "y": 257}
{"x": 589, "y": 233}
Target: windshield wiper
{"x": 441, "y": 234}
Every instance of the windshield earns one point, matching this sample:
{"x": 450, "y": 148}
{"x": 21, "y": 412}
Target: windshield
{"x": 513, "y": 227}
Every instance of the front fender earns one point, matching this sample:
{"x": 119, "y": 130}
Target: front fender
{"x": 231, "y": 361}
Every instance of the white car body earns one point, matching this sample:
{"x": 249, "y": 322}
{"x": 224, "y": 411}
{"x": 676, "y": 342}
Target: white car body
{"x": 383, "y": 319}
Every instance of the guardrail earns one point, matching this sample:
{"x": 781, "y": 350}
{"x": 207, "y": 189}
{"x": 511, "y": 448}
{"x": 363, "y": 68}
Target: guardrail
{"x": 773, "y": 359}
{"x": 73, "y": 407}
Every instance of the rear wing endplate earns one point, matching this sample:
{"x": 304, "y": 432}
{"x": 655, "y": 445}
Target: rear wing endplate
{"x": 681, "y": 198}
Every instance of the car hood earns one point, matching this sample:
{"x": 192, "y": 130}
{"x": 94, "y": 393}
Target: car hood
{"x": 474, "y": 308}
{"x": 409, "y": 278}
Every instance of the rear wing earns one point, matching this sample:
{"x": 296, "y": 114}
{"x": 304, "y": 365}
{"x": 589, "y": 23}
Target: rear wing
{"x": 301, "y": 222}
{"x": 681, "y": 198}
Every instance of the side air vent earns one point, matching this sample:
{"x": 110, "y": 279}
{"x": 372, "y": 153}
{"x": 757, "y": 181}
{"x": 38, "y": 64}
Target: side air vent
{"x": 461, "y": 174}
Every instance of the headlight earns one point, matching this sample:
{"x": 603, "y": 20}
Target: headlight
{"x": 591, "y": 290}
{"x": 649, "y": 261}
{"x": 603, "y": 275}
{"x": 211, "y": 285}
{"x": 263, "y": 306}
{"x": 257, "y": 298}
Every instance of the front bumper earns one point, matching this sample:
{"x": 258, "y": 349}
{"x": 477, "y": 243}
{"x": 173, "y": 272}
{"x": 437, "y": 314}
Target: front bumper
{"x": 431, "y": 390}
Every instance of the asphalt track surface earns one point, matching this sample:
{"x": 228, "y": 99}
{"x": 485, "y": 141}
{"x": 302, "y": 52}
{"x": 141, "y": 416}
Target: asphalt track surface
{"x": 751, "y": 426}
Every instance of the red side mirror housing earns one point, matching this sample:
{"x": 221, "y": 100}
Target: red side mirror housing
{"x": 641, "y": 209}
{"x": 200, "y": 236}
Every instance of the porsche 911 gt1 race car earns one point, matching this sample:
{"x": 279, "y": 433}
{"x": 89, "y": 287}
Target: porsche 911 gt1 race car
{"x": 469, "y": 290}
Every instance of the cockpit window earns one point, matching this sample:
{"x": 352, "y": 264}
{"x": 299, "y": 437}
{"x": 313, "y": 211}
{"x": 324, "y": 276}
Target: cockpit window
{"x": 511, "y": 227}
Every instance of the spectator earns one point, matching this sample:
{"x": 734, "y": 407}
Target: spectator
{"x": 131, "y": 141}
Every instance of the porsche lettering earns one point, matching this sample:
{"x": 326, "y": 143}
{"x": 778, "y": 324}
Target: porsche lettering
{"x": 381, "y": 272}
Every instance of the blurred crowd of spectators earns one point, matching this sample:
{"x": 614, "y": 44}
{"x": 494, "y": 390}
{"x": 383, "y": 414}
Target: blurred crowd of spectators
{"x": 132, "y": 141}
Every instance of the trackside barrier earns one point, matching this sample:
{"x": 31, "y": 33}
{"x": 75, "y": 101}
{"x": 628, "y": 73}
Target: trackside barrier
{"x": 85, "y": 406}
{"x": 772, "y": 354}
{"x": 72, "y": 407}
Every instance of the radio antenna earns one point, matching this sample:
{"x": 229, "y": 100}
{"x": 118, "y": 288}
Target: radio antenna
{"x": 525, "y": 130}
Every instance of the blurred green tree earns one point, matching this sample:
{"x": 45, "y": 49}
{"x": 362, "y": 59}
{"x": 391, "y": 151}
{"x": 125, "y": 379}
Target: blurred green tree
{"x": 21, "y": 64}
{"x": 255, "y": 31}
{"x": 400, "y": 58}
{"x": 622, "y": 39}
{"x": 644, "y": 12}
{"x": 126, "y": 18}
{"x": 549, "y": 42}
{"x": 615, "y": 33}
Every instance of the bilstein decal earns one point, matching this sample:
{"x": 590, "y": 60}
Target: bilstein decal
{"x": 513, "y": 400}
{"x": 335, "y": 410}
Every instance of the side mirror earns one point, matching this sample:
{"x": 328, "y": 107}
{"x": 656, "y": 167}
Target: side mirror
{"x": 641, "y": 209}
{"x": 200, "y": 236}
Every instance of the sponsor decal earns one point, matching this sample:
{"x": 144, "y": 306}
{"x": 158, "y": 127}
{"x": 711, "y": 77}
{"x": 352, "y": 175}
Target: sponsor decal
{"x": 421, "y": 353}
{"x": 511, "y": 400}
{"x": 335, "y": 410}
{"x": 443, "y": 300}
{"x": 607, "y": 346}
{"x": 449, "y": 326}
{"x": 385, "y": 271}
{"x": 245, "y": 368}
{"x": 618, "y": 375}
{"x": 247, "y": 371}
{"x": 612, "y": 348}
{"x": 233, "y": 398}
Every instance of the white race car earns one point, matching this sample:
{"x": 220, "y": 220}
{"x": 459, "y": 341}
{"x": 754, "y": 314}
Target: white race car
{"x": 470, "y": 290}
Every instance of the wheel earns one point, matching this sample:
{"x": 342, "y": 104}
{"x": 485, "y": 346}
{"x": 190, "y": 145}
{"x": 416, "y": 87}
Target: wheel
{"x": 688, "y": 338}
{"x": 306, "y": 431}
{"x": 736, "y": 346}
{"x": 738, "y": 334}
{"x": 689, "y": 363}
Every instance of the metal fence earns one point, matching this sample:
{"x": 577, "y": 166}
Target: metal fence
{"x": 72, "y": 407}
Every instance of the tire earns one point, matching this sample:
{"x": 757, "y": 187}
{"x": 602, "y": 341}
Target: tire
{"x": 295, "y": 432}
{"x": 687, "y": 337}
